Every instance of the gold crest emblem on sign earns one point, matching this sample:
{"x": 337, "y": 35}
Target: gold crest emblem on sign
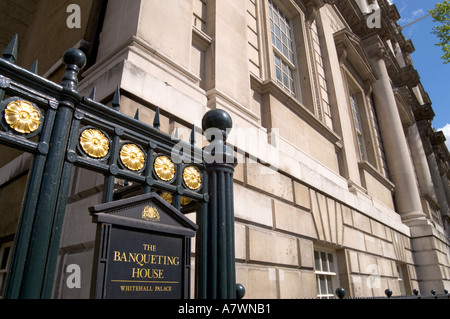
{"x": 150, "y": 214}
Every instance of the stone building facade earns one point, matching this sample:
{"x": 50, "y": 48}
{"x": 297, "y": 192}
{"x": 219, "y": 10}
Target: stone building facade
{"x": 341, "y": 181}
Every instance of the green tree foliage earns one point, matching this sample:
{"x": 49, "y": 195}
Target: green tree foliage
{"x": 441, "y": 16}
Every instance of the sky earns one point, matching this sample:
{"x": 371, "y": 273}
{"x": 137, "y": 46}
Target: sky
{"x": 434, "y": 74}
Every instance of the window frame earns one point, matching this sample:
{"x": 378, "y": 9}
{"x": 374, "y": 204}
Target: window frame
{"x": 355, "y": 87}
{"x": 290, "y": 14}
{"x": 323, "y": 109}
{"x": 330, "y": 275}
{"x": 358, "y": 125}
{"x": 401, "y": 279}
{"x": 380, "y": 151}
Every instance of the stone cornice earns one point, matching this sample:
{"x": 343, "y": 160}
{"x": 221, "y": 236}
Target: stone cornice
{"x": 349, "y": 47}
{"x": 426, "y": 131}
{"x": 400, "y": 76}
{"x": 407, "y": 75}
{"x": 391, "y": 9}
{"x": 438, "y": 138}
{"x": 316, "y": 4}
{"x": 441, "y": 152}
{"x": 376, "y": 48}
{"x": 406, "y": 46}
{"x": 358, "y": 21}
{"x": 353, "y": 15}
{"x": 424, "y": 112}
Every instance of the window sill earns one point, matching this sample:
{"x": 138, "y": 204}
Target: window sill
{"x": 366, "y": 166}
{"x": 270, "y": 86}
{"x": 200, "y": 38}
{"x": 325, "y": 273}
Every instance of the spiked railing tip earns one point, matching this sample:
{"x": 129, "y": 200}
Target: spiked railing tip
{"x": 116, "y": 99}
{"x": 34, "y": 67}
{"x": 156, "y": 122}
{"x": 192, "y": 138}
{"x": 10, "y": 52}
{"x": 92, "y": 94}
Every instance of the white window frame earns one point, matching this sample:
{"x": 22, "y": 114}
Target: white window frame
{"x": 323, "y": 95}
{"x": 284, "y": 65}
{"x": 358, "y": 125}
{"x": 380, "y": 151}
{"x": 401, "y": 281}
{"x": 329, "y": 274}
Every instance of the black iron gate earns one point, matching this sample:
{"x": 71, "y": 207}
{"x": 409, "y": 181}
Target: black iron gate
{"x": 61, "y": 129}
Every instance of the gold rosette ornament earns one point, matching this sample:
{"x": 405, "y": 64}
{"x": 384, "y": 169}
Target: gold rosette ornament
{"x": 185, "y": 201}
{"x": 132, "y": 157}
{"x": 192, "y": 178}
{"x": 169, "y": 198}
{"x": 164, "y": 168}
{"x": 22, "y": 117}
{"x": 94, "y": 143}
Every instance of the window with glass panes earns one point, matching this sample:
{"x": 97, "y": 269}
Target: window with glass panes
{"x": 326, "y": 274}
{"x": 358, "y": 126}
{"x": 382, "y": 153}
{"x": 401, "y": 282}
{"x": 283, "y": 47}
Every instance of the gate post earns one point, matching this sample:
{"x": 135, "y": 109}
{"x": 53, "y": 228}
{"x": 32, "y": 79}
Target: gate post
{"x": 38, "y": 251}
{"x": 215, "y": 261}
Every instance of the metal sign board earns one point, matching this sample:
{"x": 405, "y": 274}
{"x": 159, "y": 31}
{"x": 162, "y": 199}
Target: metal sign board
{"x": 142, "y": 250}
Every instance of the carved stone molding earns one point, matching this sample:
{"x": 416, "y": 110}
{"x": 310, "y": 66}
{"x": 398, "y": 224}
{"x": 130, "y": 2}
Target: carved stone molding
{"x": 407, "y": 75}
{"x": 424, "y": 112}
{"x": 376, "y": 49}
{"x": 426, "y": 131}
{"x": 316, "y": 4}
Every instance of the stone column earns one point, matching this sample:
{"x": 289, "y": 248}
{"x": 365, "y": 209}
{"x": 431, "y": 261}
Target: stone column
{"x": 444, "y": 179}
{"x": 420, "y": 162}
{"x": 401, "y": 169}
{"x": 440, "y": 192}
{"x": 445, "y": 212}
{"x": 425, "y": 128}
{"x": 363, "y": 6}
{"x": 437, "y": 140}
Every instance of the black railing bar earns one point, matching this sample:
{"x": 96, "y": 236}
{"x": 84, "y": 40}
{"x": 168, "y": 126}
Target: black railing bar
{"x": 17, "y": 73}
{"x": 131, "y": 124}
{"x": 95, "y": 108}
{"x": 104, "y": 110}
{"x": 192, "y": 195}
{"x": 133, "y": 177}
{"x": 14, "y": 73}
{"x": 95, "y": 165}
{"x": 42, "y": 100}
{"x": 18, "y": 142}
{"x": 107, "y": 124}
